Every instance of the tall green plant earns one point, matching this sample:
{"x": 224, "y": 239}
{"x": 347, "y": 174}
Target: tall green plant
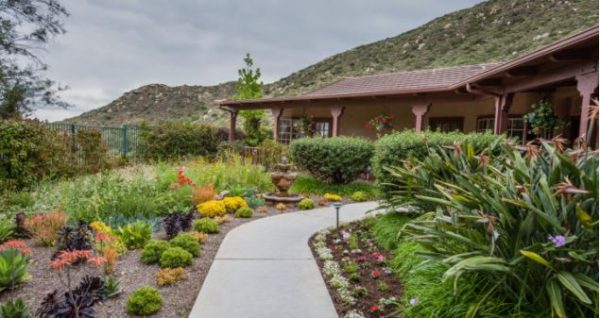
{"x": 527, "y": 220}
{"x": 249, "y": 86}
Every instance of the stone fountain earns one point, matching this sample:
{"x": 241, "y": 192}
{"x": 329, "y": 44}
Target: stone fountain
{"x": 283, "y": 179}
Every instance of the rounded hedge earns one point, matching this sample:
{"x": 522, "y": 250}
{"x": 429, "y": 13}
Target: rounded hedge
{"x": 175, "y": 257}
{"x": 359, "y": 196}
{"x": 177, "y": 139}
{"x": 144, "y": 301}
{"x": 337, "y": 159}
{"x": 206, "y": 225}
{"x": 306, "y": 204}
{"x": 187, "y": 242}
{"x": 244, "y": 212}
{"x": 153, "y": 250}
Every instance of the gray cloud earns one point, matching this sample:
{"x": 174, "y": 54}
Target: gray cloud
{"x": 113, "y": 46}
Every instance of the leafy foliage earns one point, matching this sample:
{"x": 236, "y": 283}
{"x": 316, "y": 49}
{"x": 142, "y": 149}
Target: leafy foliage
{"x": 13, "y": 269}
{"x": 337, "y": 159}
{"x": 186, "y": 242}
{"x": 44, "y": 227}
{"x": 177, "y": 222}
{"x": 175, "y": 257}
{"x": 6, "y": 230}
{"x": 249, "y": 86}
{"x": 144, "y": 301}
{"x": 359, "y": 196}
{"x": 176, "y": 140}
{"x": 74, "y": 238}
{"x": 14, "y": 308}
{"x": 393, "y": 149}
{"x": 233, "y": 203}
{"x": 525, "y": 219}
{"x": 542, "y": 118}
{"x": 244, "y": 212}
{"x": 153, "y": 250}
{"x": 112, "y": 287}
{"x": 135, "y": 235}
{"x": 206, "y": 225}
{"x": 306, "y": 204}
{"x": 310, "y": 185}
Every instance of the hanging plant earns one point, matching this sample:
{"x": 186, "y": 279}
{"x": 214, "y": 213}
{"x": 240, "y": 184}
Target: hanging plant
{"x": 381, "y": 123}
{"x": 542, "y": 118}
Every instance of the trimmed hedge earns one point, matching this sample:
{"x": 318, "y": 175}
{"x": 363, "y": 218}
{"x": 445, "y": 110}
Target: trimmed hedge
{"x": 176, "y": 139}
{"x": 392, "y": 149}
{"x": 337, "y": 159}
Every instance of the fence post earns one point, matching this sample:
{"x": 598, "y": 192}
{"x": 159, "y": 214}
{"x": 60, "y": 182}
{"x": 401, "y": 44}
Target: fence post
{"x": 125, "y": 148}
{"x": 73, "y": 141}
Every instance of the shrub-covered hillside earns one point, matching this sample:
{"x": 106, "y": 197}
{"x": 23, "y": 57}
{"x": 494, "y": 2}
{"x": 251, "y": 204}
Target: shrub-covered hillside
{"x": 494, "y": 30}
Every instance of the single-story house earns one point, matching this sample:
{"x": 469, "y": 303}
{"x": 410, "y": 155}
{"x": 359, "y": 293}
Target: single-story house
{"x": 466, "y": 98}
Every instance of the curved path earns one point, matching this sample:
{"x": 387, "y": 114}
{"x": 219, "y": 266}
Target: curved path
{"x": 266, "y": 269}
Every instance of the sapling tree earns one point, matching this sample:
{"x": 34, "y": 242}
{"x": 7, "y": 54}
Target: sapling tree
{"x": 249, "y": 86}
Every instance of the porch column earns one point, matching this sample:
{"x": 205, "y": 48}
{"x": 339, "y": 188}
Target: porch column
{"x": 276, "y": 111}
{"x": 502, "y": 107}
{"x": 336, "y": 113}
{"x": 232, "y": 121}
{"x": 420, "y": 110}
{"x": 586, "y": 84}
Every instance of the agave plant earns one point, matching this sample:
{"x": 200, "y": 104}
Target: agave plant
{"x": 524, "y": 221}
{"x": 14, "y": 309}
{"x": 13, "y": 268}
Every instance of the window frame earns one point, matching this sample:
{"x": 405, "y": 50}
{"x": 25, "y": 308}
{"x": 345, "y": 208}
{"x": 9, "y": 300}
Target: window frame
{"x": 290, "y": 135}
{"x": 447, "y": 118}
{"x": 510, "y": 117}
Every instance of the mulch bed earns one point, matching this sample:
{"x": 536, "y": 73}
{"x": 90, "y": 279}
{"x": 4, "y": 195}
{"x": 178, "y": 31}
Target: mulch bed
{"x": 178, "y": 299}
{"x": 372, "y": 270}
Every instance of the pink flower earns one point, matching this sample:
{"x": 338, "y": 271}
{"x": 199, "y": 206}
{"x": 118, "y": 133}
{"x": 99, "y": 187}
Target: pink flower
{"x": 362, "y": 259}
{"x": 374, "y": 308}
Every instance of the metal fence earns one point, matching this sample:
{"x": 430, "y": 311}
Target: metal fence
{"x": 122, "y": 141}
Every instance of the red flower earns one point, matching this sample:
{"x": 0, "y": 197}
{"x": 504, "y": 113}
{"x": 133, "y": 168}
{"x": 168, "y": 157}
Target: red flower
{"x": 101, "y": 236}
{"x": 375, "y": 274}
{"x": 374, "y": 308}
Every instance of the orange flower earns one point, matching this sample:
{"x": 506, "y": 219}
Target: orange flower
{"x": 97, "y": 260}
{"x": 16, "y": 244}
{"x": 101, "y": 236}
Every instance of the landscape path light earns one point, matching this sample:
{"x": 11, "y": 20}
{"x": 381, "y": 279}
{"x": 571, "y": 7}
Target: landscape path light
{"x": 337, "y": 206}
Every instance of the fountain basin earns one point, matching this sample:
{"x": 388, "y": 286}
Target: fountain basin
{"x": 275, "y": 198}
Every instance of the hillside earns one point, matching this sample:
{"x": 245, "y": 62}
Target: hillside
{"x": 494, "y": 30}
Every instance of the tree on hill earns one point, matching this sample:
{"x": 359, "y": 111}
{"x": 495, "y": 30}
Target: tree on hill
{"x": 249, "y": 86}
{"x": 26, "y": 26}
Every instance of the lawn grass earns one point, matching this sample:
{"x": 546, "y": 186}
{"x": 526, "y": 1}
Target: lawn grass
{"x": 306, "y": 184}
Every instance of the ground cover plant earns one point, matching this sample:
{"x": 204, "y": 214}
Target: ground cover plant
{"x": 307, "y": 184}
{"x": 357, "y": 271}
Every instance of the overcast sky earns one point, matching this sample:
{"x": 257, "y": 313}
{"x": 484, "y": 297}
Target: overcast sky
{"x": 113, "y": 46}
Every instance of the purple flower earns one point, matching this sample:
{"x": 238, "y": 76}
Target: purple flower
{"x": 413, "y": 301}
{"x": 558, "y": 240}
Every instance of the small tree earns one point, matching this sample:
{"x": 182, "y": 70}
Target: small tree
{"x": 249, "y": 86}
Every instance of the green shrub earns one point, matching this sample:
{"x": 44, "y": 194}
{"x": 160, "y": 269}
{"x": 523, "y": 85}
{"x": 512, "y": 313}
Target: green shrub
{"x": 523, "y": 226}
{"x": 359, "y": 196}
{"x": 13, "y": 269}
{"x": 337, "y": 160}
{"x": 175, "y": 257}
{"x": 307, "y": 184}
{"x": 153, "y": 250}
{"x": 14, "y": 309}
{"x": 31, "y": 152}
{"x": 135, "y": 235}
{"x": 306, "y": 204}
{"x": 144, "y": 301}
{"x": 177, "y": 139}
{"x": 206, "y": 225}
{"x": 187, "y": 242}
{"x": 244, "y": 212}
{"x": 393, "y": 149}
{"x": 6, "y": 230}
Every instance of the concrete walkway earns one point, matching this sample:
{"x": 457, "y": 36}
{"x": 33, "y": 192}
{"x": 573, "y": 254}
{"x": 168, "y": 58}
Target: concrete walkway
{"x": 265, "y": 268}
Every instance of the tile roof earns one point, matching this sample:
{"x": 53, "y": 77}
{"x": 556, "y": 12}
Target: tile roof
{"x": 423, "y": 80}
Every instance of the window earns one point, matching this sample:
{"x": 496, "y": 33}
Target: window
{"x": 294, "y": 128}
{"x": 446, "y": 124}
{"x": 516, "y": 126}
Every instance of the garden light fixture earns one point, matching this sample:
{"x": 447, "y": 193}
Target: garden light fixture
{"x": 337, "y": 206}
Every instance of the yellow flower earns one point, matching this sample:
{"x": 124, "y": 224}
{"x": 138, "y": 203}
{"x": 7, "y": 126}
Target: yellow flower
{"x": 332, "y": 197}
{"x": 232, "y": 204}
{"x": 211, "y": 208}
{"x": 100, "y": 227}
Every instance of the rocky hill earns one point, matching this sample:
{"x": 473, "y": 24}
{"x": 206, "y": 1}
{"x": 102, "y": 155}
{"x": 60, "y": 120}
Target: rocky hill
{"x": 494, "y": 30}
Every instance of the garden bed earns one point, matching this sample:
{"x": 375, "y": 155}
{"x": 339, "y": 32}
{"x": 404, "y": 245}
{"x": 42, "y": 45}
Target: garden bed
{"x": 178, "y": 299}
{"x": 356, "y": 272}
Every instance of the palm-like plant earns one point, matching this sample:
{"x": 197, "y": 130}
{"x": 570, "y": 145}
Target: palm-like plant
{"x": 525, "y": 221}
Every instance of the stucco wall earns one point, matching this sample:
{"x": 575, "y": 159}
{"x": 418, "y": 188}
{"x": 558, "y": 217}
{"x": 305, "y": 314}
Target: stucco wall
{"x": 358, "y": 112}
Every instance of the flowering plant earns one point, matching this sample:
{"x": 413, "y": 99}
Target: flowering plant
{"x": 381, "y": 123}
{"x": 17, "y": 245}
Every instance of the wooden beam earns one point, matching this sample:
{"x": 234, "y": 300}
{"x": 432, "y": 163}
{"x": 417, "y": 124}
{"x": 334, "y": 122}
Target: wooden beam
{"x": 572, "y": 55}
{"x": 523, "y": 71}
{"x": 553, "y": 76}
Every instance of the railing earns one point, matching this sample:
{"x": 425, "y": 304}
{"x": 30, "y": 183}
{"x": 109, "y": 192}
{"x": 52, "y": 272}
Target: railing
{"x": 265, "y": 156}
{"x": 122, "y": 141}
